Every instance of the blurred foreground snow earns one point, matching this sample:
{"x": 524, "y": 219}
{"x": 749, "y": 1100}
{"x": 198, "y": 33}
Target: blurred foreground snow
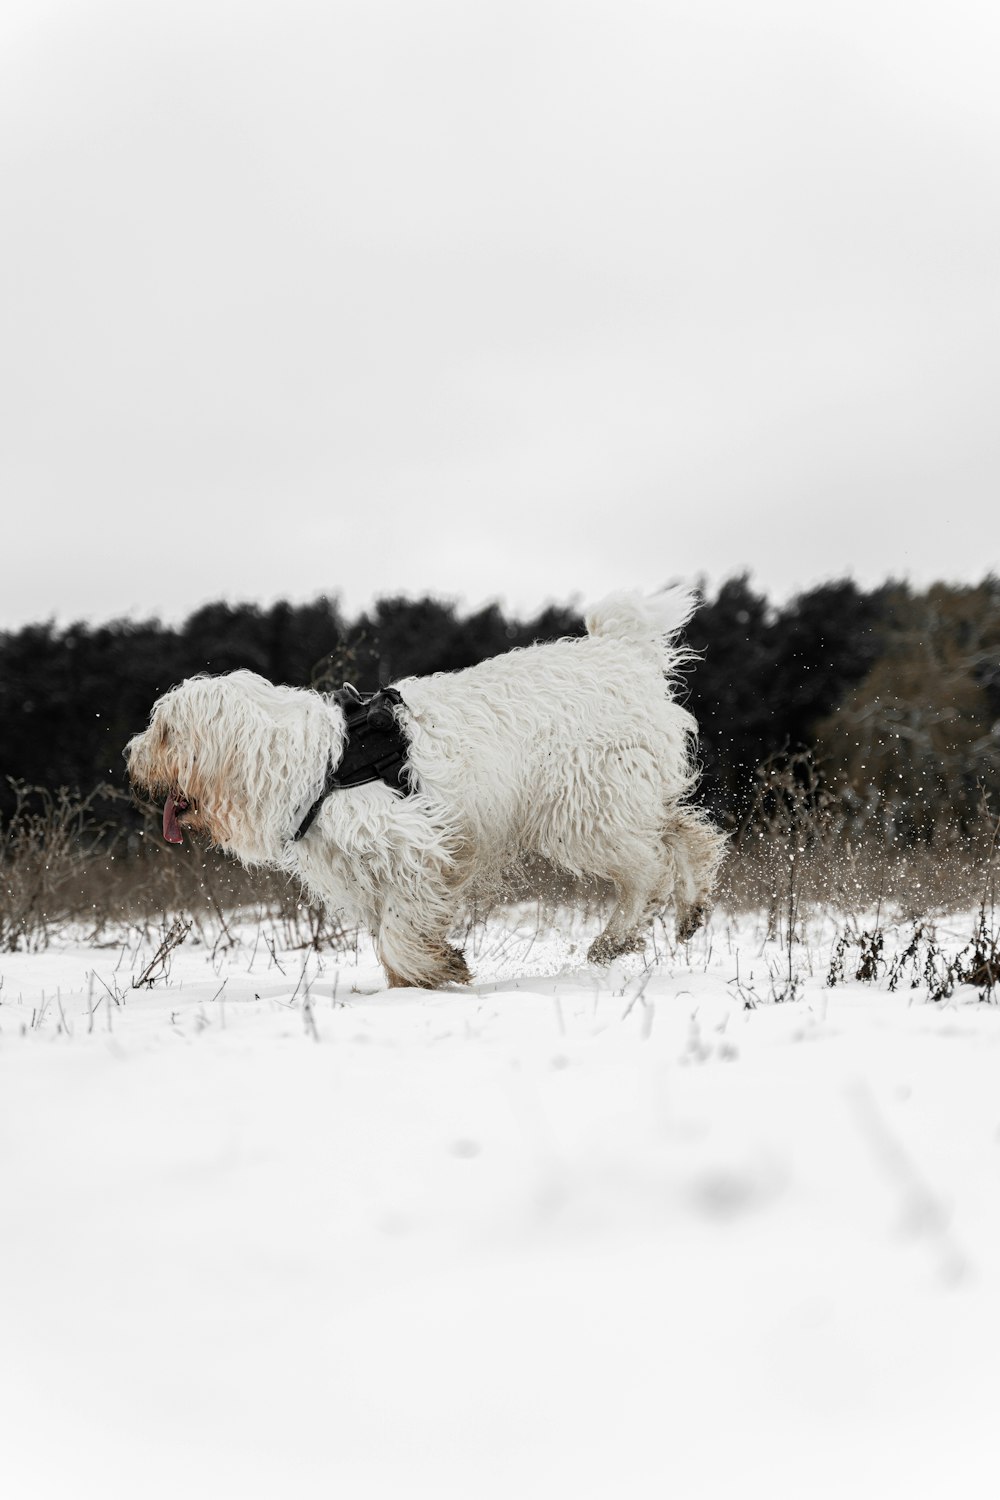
{"x": 566, "y": 1233}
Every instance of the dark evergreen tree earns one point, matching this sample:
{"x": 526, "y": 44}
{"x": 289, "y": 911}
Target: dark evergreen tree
{"x": 730, "y": 693}
{"x": 764, "y": 679}
{"x": 825, "y": 641}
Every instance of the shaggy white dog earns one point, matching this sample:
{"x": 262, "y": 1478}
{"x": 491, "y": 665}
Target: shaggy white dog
{"x": 573, "y": 751}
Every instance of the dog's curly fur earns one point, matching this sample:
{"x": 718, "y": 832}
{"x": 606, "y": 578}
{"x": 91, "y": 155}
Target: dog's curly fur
{"x": 574, "y": 751}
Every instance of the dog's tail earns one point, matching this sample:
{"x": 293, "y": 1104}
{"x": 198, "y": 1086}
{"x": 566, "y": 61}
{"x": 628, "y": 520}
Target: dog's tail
{"x": 645, "y": 620}
{"x": 651, "y": 623}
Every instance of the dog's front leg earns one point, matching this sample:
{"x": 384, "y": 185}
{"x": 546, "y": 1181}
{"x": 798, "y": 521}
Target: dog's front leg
{"x": 414, "y": 956}
{"x": 411, "y": 956}
{"x": 401, "y": 883}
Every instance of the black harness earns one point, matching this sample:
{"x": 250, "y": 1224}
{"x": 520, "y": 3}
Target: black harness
{"x": 375, "y": 748}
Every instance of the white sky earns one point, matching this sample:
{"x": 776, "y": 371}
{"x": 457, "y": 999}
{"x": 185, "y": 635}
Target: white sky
{"x": 493, "y": 299}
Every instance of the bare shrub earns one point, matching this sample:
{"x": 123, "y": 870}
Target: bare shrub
{"x": 47, "y": 846}
{"x": 158, "y": 966}
{"x": 800, "y": 844}
{"x": 922, "y": 961}
{"x": 62, "y": 862}
{"x": 151, "y": 885}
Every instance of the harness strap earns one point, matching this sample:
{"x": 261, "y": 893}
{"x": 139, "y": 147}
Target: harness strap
{"x": 375, "y": 748}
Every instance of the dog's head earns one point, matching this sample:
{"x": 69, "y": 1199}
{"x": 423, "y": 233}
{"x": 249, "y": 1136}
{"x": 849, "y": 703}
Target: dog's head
{"x": 217, "y": 753}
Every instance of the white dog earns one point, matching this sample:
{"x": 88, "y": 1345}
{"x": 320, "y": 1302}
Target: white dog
{"x": 573, "y": 751}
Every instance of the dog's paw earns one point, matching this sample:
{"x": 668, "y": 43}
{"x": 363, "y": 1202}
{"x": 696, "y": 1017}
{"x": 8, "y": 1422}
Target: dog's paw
{"x": 449, "y": 968}
{"x": 688, "y": 922}
{"x": 604, "y": 949}
{"x": 457, "y": 969}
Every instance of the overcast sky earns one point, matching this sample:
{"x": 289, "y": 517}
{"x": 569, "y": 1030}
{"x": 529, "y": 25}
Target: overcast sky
{"x": 493, "y": 299}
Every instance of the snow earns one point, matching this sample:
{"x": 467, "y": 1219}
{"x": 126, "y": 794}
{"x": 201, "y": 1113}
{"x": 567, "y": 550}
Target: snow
{"x": 269, "y": 1228}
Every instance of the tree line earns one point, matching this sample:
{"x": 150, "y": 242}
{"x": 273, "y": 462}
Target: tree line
{"x": 895, "y": 691}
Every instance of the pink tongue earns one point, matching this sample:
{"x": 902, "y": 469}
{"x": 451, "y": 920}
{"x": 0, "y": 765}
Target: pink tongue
{"x": 171, "y": 827}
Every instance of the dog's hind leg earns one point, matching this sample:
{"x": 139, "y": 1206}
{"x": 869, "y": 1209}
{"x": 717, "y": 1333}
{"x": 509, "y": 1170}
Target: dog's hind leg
{"x": 697, "y": 849}
{"x": 635, "y": 886}
{"x": 682, "y": 869}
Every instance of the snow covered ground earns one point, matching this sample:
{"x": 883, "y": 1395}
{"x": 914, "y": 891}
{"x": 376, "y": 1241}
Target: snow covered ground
{"x": 269, "y": 1230}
